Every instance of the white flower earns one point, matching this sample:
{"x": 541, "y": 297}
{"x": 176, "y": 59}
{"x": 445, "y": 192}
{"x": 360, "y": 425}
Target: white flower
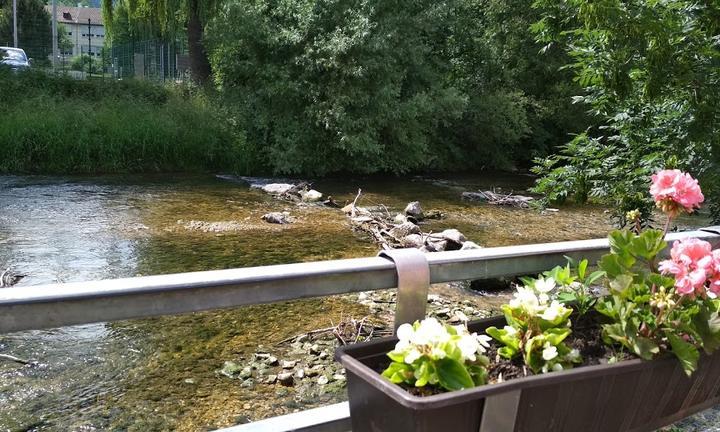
{"x": 430, "y": 331}
{"x": 484, "y": 341}
{"x": 468, "y": 345}
{"x": 573, "y": 355}
{"x": 413, "y": 355}
{"x": 543, "y": 298}
{"x": 557, "y": 367}
{"x": 405, "y": 332}
{"x": 553, "y": 311}
{"x": 526, "y": 299}
{"x": 437, "y": 353}
{"x": 545, "y": 285}
{"x": 549, "y": 352}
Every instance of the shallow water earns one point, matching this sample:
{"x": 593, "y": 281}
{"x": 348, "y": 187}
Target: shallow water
{"x": 159, "y": 374}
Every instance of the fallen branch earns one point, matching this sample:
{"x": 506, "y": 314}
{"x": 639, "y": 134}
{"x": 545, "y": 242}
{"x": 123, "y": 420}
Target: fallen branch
{"x": 15, "y": 359}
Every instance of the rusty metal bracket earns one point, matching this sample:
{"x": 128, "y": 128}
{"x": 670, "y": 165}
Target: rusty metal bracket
{"x": 413, "y": 273}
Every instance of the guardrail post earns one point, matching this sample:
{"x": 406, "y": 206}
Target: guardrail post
{"x": 413, "y": 274}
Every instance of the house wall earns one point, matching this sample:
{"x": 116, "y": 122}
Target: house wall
{"x": 78, "y": 33}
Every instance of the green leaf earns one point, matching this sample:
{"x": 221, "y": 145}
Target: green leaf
{"x": 685, "y": 352}
{"x": 507, "y": 352}
{"x": 566, "y": 297}
{"x": 556, "y": 335}
{"x": 397, "y": 356}
{"x": 645, "y": 348}
{"x": 707, "y": 325}
{"x": 648, "y": 244}
{"x": 594, "y": 276}
{"x": 398, "y": 373}
{"x": 453, "y": 375}
{"x": 611, "y": 265}
{"x": 582, "y": 268}
{"x": 620, "y": 283}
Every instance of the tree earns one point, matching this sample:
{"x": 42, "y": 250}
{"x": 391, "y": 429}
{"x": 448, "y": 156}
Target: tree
{"x": 336, "y": 86}
{"x": 519, "y": 98}
{"x": 138, "y": 19}
{"x": 651, "y": 70}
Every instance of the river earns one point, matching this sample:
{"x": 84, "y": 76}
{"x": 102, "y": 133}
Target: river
{"x": 161, "y": 374}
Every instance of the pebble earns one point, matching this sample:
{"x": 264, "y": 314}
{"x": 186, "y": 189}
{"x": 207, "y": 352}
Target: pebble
{"x": 339, "y": 377}
{"x": 315, "y": 349}
{"x": 288, "y": 364}
{"x": 322, "y": 380}
{"x": 271, "y": 379}
{"x": 286, "y": 378}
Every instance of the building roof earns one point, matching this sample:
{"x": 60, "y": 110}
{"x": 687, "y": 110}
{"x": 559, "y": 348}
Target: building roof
{"x": 77, "y": 15}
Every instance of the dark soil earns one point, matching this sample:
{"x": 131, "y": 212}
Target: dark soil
{"x": 586, "y": 337}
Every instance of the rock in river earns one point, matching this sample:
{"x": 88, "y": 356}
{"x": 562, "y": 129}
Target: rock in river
{"x": 311, "y": 196}
{"x": 414, "y": 209}
{"x": 277, "y": 188}
{"x": 277, "y": 218}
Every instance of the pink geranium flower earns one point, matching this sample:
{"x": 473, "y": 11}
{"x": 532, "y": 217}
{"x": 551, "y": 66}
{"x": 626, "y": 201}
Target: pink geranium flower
{"x": 691, "y": 262}
{"x": 674, "y": 190}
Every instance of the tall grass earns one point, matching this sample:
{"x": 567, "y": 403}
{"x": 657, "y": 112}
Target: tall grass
{"x": 59, "y": 125}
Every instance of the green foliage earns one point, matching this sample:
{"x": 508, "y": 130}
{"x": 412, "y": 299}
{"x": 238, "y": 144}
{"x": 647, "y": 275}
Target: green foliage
{"x": 645, "y": 313}
{"x": 651, "y": 72}
{"x": 59, "y": 125}
{"x": 574, "y": 284}
{"x": 336, "y": 86}
{"x": 536, "y": 328}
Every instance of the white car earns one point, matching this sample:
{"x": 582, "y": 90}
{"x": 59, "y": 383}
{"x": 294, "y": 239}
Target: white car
{"x": 15, "y": 58}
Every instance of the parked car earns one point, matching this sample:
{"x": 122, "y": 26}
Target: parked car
{"x": 14, "y": 58}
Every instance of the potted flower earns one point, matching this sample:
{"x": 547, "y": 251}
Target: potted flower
{"x": 635, "y": 358}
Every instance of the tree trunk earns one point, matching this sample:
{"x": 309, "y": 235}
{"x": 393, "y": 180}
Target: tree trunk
{"x": 199, "y": 63}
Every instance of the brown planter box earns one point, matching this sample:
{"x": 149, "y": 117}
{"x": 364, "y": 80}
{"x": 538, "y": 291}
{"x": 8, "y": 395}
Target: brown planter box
{"x": 632, "y": 395}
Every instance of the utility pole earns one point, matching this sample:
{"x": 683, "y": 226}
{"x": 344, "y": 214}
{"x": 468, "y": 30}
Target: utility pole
{"x": 55, "y": 52}
{"x": 89, "y": 50}
{"x": 15, "y": 35}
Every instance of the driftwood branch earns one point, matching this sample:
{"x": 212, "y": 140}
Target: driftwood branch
{"x": 346, "y": 331}
{"x": 14, "y": 359}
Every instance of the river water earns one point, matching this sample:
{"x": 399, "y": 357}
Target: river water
{"x": 161, "y": 374}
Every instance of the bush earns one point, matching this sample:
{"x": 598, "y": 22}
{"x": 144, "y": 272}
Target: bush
{"x": 59, "y": 125}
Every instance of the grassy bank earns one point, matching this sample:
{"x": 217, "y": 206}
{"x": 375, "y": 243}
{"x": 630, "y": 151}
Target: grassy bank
{"x": 59, "y": 125}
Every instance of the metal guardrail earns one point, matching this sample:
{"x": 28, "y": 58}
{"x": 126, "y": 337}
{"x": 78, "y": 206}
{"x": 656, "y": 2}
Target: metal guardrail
{"x": 56, "y": 305}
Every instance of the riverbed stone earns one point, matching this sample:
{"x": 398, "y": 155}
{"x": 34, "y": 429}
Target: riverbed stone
{"x": 323, "y": 379}
{"x": 277, "y": 218}
{"x": 288, "y": 364}
{"x": 277, "y": 188}
{"x": 414, "y": 209}
{"x": 245, "y": 372}
{"x": 315, "y": 349}
{"x": 468, "y": 245}
{"x": 399, "y": 219}
{"x": 271, "y": 379}
{"x": 248, "y": 383}
{"x": 311, "y": 196}
{"x": 454, "y": 236}
{"x": 404, "y": 230}
{"x": 412, "y": 241}
{"x": 230, "y": 369}
{"x": 286, "y": 379}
